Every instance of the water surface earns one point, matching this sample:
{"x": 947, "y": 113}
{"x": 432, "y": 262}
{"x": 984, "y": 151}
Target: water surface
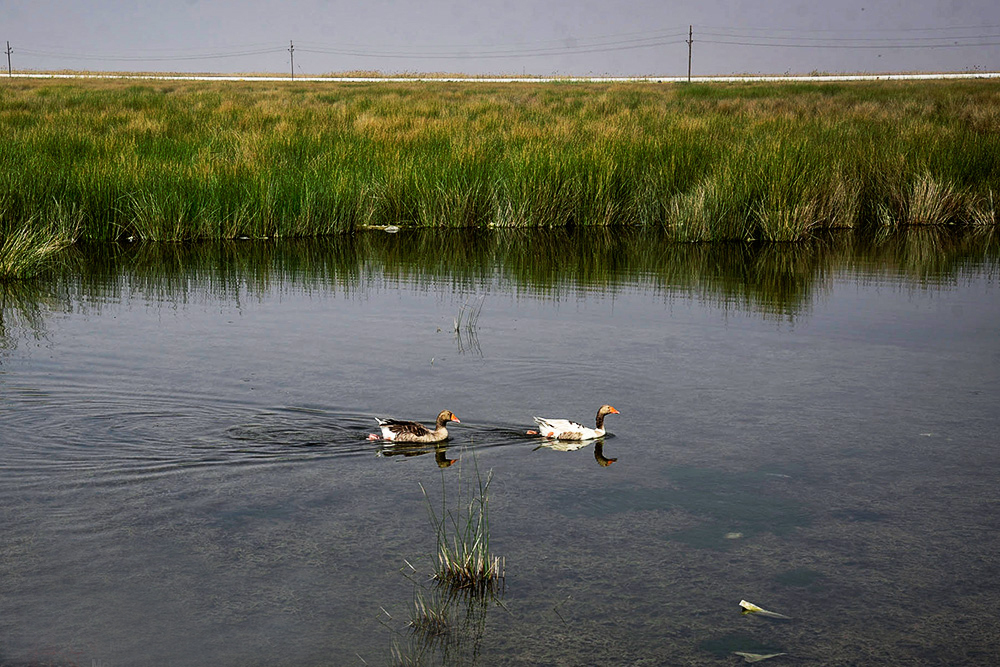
{"x": 185, "y": 477}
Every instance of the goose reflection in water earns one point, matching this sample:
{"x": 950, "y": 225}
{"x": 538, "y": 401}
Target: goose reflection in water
{"x": 573, "y": 445}
{"x": 413, "y": 449}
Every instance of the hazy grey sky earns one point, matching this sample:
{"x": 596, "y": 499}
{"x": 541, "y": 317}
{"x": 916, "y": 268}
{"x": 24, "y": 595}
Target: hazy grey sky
{"x": 623, "y": 37}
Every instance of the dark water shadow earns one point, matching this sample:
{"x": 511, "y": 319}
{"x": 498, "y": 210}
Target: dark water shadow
{"x": 726, "y": 504}
{"x": 727, "y": 645}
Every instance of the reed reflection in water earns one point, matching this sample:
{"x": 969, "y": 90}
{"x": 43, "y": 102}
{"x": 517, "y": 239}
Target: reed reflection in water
{"x": 770, "y": 280}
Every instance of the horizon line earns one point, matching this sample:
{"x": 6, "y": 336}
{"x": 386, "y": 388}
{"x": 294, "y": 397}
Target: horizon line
{"x": 466, "y": 78}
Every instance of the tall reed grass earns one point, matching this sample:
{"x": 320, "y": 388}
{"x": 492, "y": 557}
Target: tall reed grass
{"x": 172, "y": 161}
{"x": 464, "y": 561}
{"x": 28, "y": 249}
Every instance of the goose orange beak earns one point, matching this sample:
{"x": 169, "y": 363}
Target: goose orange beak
{"x": 614, "y": 412}
{"x": 455, "y": 418}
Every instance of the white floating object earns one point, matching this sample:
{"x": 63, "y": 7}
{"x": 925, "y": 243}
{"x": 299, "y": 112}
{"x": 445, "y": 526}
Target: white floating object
{"x": 757, "y": 657}
{"x": 392, "y": 229}
{"x": 751, "y": 608}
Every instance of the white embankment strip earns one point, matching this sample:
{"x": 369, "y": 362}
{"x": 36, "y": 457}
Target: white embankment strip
{"x": 503, "y": 79}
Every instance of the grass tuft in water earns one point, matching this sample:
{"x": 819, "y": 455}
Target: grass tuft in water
{"x": 464, "y": 561}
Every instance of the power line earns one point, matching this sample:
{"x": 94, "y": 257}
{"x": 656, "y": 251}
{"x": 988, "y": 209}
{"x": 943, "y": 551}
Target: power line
{"x": 617, "y": 42}
{"x": 566, "y": 50}
{"x": 905, "y": 38}
{"x": 852, "y": 30}
{"x": 173, "y": 50}
{"x": 817, "y": 40}
{"x": 93, "y": 56}
{"x": 852, "y": 46}
{"x": 596, "y": 40}
{"x": 473, "y": 56}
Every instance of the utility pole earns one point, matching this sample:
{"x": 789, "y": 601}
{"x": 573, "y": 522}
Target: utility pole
{"x": 10, "y": 72}
{"x": 291, "y": 53}
{"x": 690, "y": 41}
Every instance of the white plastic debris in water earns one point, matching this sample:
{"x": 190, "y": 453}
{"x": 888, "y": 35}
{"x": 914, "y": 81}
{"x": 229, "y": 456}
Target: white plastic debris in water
{"x": 751, "y": 608}
{"x": 757, "y": 657}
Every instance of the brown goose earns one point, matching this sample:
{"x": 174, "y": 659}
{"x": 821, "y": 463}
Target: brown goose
{"x": 564, "y": 429}
{"x": 405, "y": 431}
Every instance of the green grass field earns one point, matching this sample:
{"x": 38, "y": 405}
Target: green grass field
{"x": 109, "y": 160}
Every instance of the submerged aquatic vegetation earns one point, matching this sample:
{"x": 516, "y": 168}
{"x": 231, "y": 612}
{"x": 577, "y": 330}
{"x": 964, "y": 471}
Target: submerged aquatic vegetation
{"x": 445, "y": 627}
{"x": 762, "y": 161}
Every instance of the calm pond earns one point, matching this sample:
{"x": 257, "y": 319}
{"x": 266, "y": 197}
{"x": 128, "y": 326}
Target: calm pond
{"x": 185, "y": 477}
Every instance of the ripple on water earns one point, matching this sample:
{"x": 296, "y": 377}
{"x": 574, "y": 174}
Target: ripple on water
{"x": 76, "y": 437}
{"x": 112, "y": 437}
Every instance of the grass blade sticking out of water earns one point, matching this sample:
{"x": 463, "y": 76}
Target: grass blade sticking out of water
{"x": 464, "y": 561}
{"x": 466, "y": 326}
{"x": 468, "y": 315}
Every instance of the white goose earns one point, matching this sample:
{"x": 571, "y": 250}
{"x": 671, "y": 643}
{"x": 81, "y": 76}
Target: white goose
{"x": 564, "y": 429}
